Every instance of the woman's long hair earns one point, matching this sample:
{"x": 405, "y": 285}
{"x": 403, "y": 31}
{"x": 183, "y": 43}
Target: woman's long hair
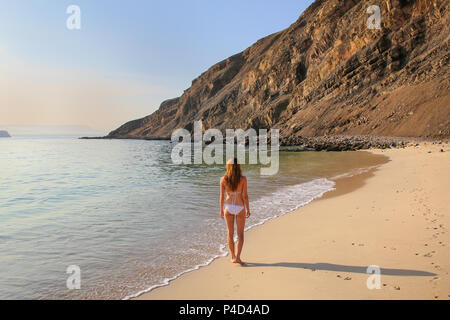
{"x": 234, "y": 174}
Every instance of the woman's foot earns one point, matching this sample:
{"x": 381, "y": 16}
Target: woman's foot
{"x": 238, "y": 260}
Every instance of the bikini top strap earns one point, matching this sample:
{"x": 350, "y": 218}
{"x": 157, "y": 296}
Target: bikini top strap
{"x": 235, "y": 193}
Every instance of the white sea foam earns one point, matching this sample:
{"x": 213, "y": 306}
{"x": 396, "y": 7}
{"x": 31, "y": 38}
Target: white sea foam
{"x": 280, "y": 202}
{"x": 355, "y": 172}
{"x": 92, "y": 213}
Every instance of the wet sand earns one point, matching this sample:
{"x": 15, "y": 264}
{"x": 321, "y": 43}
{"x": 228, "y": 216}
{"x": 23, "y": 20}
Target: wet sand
{"x": 395, "y": 217}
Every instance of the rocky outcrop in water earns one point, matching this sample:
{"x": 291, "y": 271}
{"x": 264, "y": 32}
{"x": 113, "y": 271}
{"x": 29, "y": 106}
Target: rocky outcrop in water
{"x": 4, "y": 134}
{"x": 327, "y": 74}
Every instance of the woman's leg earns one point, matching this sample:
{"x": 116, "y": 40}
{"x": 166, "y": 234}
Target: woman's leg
{"x": 240, "y": 222}
{"x": 229, "y": 218}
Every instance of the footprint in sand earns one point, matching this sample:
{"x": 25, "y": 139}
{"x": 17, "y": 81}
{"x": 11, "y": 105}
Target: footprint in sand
{"x": 434, "y": 279}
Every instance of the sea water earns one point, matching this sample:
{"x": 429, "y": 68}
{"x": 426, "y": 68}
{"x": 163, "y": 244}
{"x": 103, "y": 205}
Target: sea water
{"x": 129, "y": 218}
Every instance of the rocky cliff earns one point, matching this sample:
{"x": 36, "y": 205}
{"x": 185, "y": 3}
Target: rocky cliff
{"x": 327, "y": 74}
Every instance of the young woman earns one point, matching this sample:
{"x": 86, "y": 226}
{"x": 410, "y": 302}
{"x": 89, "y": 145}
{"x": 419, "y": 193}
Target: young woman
{"x": 234, "y": 185}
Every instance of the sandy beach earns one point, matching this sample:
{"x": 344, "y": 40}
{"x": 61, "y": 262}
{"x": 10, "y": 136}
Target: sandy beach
{"x": 396, "y": 217}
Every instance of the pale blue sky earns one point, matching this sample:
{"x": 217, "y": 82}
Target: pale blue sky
{"x": 127, "y": 57}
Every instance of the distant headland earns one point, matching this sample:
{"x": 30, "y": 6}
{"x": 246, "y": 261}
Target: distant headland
{"x": 4, "y": 134}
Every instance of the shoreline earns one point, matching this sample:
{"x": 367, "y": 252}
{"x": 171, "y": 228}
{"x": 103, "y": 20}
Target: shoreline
{"x": 320, "y": 143}
{"x": 330, "y": 264}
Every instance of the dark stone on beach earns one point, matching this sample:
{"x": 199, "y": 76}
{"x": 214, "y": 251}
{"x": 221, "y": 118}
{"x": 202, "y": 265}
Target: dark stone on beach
{"x": 333, "y": 147}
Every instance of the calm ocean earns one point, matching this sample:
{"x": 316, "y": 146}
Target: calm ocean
{"x": 128, "y": 217}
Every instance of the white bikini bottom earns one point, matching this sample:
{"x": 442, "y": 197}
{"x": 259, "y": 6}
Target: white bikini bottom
{"x": 233, "y": 209}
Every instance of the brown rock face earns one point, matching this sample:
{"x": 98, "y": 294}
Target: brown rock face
{"x": 327, "y": 74}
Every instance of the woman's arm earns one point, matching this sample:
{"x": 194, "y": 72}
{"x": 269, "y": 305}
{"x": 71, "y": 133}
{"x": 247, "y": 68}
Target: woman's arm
{"x": 245, "y": 195}
{"x": 222, "y": 197}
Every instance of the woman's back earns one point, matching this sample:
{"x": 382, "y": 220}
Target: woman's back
{"x": 234, "y": 197}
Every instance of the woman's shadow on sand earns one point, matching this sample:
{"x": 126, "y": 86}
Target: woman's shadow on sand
{"x": 341, "y": 268}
